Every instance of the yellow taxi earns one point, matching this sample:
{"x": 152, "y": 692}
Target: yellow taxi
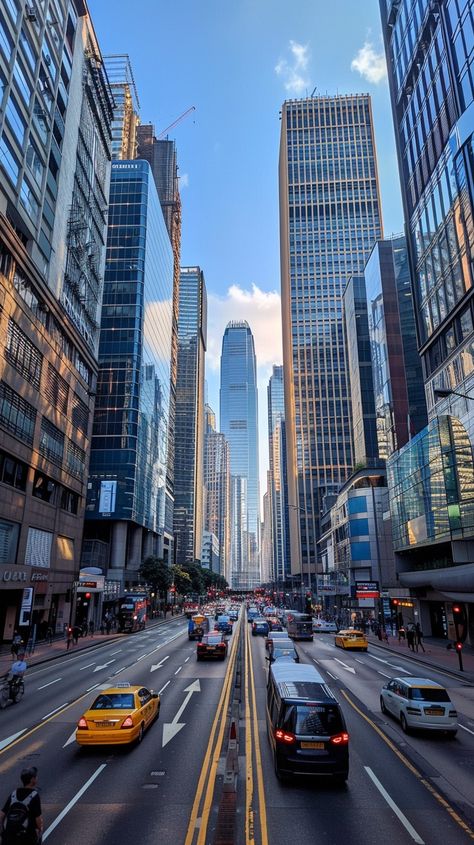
{"x": 119, "y": 715}
{"x": 351, "y": 639}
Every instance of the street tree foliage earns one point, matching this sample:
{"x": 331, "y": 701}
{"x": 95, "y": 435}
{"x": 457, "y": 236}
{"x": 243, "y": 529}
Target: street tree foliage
{"x": 157, "y": 574}
{"x": 181, "y": 580}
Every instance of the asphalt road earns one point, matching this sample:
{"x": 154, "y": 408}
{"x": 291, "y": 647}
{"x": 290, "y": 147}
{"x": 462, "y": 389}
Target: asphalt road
{"x": 401, "y": 789}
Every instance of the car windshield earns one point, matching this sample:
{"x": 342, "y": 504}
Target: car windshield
{"x": 213, "y": 640}
{"x": 428, "y": 694}
{"x": 314, "y": 720}
{"x": 114, "y": 701}
{"x": 281, "y": 652}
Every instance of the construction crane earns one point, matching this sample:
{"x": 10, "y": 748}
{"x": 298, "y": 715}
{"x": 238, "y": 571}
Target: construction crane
{"x": 175, "y": 122}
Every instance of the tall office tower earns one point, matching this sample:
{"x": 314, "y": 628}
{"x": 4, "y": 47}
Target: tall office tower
{"x": 266, "y": 538}
{"x": 189, "y": 427}
{"x": 217, "y": 518}
{"x": 54, "y": 184}
{"x": 162, "y": 158}
{"x": 239, "y": 424}
{"x": 329, "y": 220}
{"x": 277, "y": 481}
{"x": 359, "y": 367}
{"x": 397, "y": 375}
{"x": 127, "y": 106}
{"x": 125, "y": 519}
{"x": 430, "y": 69}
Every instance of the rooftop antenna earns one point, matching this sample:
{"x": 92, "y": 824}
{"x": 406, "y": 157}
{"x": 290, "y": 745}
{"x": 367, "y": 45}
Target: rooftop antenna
{"x": 314, "y": 90}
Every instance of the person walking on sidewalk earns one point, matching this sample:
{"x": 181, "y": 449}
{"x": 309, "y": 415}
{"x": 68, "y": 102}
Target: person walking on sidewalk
{"x": 419, "y": 637}
{"x": 411, "y": 637}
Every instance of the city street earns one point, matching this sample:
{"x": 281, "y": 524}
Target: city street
{"x": 401, "y": 788}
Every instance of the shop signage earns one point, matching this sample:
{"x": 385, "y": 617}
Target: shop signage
{"x": 367, "y": 590}
{"x": 13, "y": 575}
{"x": 39, "y": 576}
{"x": 26, "y": 603}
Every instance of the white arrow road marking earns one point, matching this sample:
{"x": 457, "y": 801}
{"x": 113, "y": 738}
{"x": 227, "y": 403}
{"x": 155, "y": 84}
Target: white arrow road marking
{"x": 104, "y": 665}
{"x": 72, "y": 738}
{"x": 349, "y": 668}
{"x": 50, "y": 683}
{"x": 9, "y": 739}
{"x": 170, "y": 729}
{"x": 391, "y": 803}
{"x": 73, "y": 801}
{"x": 160, "y": 664}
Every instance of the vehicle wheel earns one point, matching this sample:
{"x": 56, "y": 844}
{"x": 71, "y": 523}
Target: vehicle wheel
{"x": 279, "y": 774}
{"x": 19, "y": 693}
{"x": 404, "y": 723}
{"x": 140, "y": 733}
{"x": 383, "y": 707}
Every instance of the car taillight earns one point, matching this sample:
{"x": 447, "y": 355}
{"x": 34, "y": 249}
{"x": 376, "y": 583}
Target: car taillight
{"x": 82, "y": 724}
{"x": 201, "y": 645}
{"x": 283, "y": 736}
{"x": 127, "y": 723}
{"x": 340, "y": 739}
{"x": 221, "y": 645}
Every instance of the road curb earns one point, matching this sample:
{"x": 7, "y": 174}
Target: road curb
{"x": 466, "y": 676}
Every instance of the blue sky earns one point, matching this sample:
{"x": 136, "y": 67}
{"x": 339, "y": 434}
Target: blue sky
{"x": 236, "y": 61}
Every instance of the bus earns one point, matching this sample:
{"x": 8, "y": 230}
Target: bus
{"x": 132, "y": 613}
{"x": 299, "y": 625}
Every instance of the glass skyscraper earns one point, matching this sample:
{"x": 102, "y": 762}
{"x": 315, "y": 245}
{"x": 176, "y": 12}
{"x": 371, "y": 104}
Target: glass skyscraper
{"x": 189, "y": 426}
{"x": 277, "y": 483}
{"x": 239, "y": 424}
{"x": 329, "y": 220}
{"x": 126, "y": 495}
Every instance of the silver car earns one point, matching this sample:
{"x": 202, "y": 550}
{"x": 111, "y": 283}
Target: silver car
{"x": 419, "y": 703}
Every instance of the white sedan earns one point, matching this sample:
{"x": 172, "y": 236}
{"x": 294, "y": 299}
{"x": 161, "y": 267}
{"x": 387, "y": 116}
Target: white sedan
{"x": 419, "y": 703}
{"x": 320, "y": 626}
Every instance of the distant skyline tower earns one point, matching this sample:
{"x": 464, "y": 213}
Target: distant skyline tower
{"x": 189, "y": 425}
{"x": 127, "y": 106}
{"x": 239, "y": 424}
{"x": 277, "y": 485}
{"x": 217, "y": 488}
{"x": 329, "y": 220}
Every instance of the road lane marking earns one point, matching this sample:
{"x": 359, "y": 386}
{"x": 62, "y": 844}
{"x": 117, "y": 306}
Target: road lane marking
{"x": 89, "y": 689}
{"x": 72, "y": 738}
{"x": 178, "y": 670}
{"x": 56, "y": 710}
{"x": 170, "y": 729}
{"x": 187, "y": 659}
{"x": 160, "y": 664}
{"x": 258, "y": 758}
{"x": 87, "y": 667}
{"x": 163, "y": 688}
{"x": 383, "y": 673}
{"x": 117, "y": 671}
{"x": 334, "y": 677}
{"x": 73, "y": 801}
{"x": 205, "y": 770}
{"x": 349, "y": 668}
{"x": 360, "y": 661}
{"x": 396, "y": 809}
{"x": 115, "y": 652}
{"x": 10, "y": 739}
{"x": 56, "y": 680}
{"x": 249, "y": 813}
{"x": 377, "y": 658}
{"x": 406, "y": 762}
{"x": 466, "y": 729}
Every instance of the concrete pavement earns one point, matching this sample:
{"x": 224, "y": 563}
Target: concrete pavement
{"x": 435, "y": 654}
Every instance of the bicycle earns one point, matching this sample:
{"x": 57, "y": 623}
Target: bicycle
{"x": 12, "y": 690}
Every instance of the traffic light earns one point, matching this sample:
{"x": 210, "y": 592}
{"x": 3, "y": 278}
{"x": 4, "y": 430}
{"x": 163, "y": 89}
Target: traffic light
{"x": 458, "y": 646}
{"x": 87, "y": 596}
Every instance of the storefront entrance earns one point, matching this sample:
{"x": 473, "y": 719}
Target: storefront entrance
{"x": 438, "y": 618}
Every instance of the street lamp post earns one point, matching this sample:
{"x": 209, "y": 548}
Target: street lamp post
{"x": 444, "y": 392}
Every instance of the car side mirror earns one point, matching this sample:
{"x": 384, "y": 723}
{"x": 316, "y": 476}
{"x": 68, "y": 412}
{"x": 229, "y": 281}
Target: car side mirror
{"x": 155, "y": 695}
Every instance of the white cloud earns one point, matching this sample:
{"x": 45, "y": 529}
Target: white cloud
{"x": 184, "y": 180}
{"x": 370, "y": 64}
{"x": 262, "y": 311}
{"x": 294, "y": 71}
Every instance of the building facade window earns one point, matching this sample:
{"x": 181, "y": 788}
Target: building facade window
{"x": 13, "y": 472}
{"x": 56, "y": 390}
{"x": 76, "y": 460}
{"x": 23, "y": 355}
{"x": 51, "y": 443}
{"x": 38, "y": 548}
{"x": 17, "y": 416}
{"x": 44, "y": 488}
{"x": 9, "y": 532}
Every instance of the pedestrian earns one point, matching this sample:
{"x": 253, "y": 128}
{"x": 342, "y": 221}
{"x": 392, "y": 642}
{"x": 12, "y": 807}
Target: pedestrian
{"x": 16, "y": 643}
{"x": 91, "y": 628}
{"x": 401, "y": 633}
{"x": 49, "y": 635}
{"x": 411, "y": 638}
{"x": 108, "y": 625}
{"x": 76, "y": 633}
{"x": 419, "y": 636}
{"x": 69, "y": 639}
{"x": 102, "y": 627}
{"x": 20, "y": 818}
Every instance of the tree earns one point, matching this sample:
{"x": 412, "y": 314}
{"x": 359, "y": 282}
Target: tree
{"x": 181, "y": 580}
{"x": 157, "y": 574}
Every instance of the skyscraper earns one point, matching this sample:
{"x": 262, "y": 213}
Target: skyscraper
{"x": 278, "y": 528}
{"x": 126, "y": 510}
{"x": 127, "y": 107}
{"x": 329, "y": 220}
{"x": 239, "y": 424}
{"x": 55, "y": 135}
{"x": 217, "y": 517}
{"x": 189, "y": 427}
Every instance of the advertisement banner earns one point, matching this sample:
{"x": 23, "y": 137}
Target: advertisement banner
{"x": 108, "y": 495}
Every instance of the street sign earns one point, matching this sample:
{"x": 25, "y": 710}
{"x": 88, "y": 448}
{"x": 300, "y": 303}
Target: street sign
{"x": 367, "y": 590}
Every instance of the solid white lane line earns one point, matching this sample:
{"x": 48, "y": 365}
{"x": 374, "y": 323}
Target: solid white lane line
{"x": 466, "y": 729}
{"x": 332, "y": 676}
{"x": 178, "y": 670}
{"x": 57, "y": 709}
{"x": 89, "y": 689}
{"x": 87, "y": 667}
{"x": 383, "y": 673}
{"x": 163, "y": 688}
{"x": 391, "y": 803}
{"x": 56, "y": 680}
{"x": 9, "y": 739}
{"x": 73, "y": 801}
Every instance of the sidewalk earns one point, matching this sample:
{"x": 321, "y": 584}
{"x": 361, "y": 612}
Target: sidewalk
{"x": 44, "y": 652}
{"x": 436, "y": 655}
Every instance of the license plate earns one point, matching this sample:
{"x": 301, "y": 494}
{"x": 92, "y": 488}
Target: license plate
{"x": 318, "y": 745}
{"x": 104, "y": 724}
{"x": 434, "y": 711}
{"x": 211, "y": 648}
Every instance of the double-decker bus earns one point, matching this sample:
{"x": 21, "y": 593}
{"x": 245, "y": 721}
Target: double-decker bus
{"x": 299, "y": 625}
{"x": 132, "y": 612}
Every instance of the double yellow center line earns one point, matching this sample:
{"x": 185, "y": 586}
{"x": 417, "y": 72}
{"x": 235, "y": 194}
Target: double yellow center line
{"x": 252, "y": 747}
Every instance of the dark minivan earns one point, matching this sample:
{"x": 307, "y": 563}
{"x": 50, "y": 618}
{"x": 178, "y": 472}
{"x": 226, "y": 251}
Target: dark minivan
{"x": 305, "y": 724}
